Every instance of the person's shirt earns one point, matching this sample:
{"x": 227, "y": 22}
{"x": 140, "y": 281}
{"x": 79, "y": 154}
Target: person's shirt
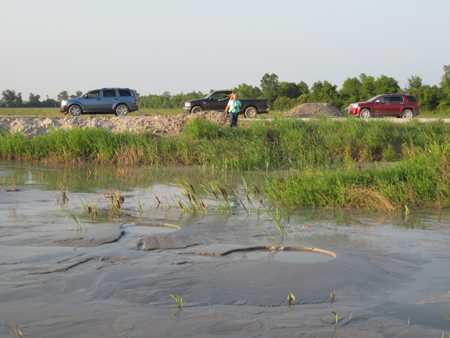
{"x": 234, "y": 106}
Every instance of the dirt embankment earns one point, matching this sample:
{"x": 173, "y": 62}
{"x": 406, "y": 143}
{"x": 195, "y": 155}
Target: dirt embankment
{"x": 315, "y": 109}
{"x": 158, "y": 125}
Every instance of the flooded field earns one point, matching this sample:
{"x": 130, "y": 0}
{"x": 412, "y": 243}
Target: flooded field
{"x": 99, "y": 251}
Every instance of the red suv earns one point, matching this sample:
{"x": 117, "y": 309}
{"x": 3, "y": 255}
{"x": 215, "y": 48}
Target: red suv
{"x": 400, "y": 105}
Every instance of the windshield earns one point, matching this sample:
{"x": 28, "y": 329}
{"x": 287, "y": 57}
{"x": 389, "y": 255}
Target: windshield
{"x": 207, "y": 96}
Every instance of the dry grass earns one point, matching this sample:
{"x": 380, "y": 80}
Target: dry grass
{"x": 369, "y": 199}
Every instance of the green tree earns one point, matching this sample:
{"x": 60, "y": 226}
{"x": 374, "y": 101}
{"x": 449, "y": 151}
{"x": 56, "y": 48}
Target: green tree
{"x": 445, "y": 85}
{"x": 414, "y": 83}
{"x": 386, "y": 85}
{"x": 50, "y": 103}
{"x": 11, "y": 99}
{"x": 34, "y": 100}
{"x": 245, "y": 91}
{"x": 18, "y": 102}
{"x": 415, "y": 87}
{"x": 284, "y": 103}
{"x": 351, "y": 91}
{"x": 430, "y": 97}
{"x": 77, "y": 94}
{"x": 290, "y": 90}
{"x": 304, "y": 88}
{"x": 269, "y": 86}
{"x": 64, "y": 95}
{"x": 367, "y": 87}
{"x": 324, "y": 92}
{"x": 445, "y": 81}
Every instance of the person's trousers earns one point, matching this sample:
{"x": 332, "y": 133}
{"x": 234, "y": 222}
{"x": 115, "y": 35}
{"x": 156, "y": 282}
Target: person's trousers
{"x": 233, "y": 119}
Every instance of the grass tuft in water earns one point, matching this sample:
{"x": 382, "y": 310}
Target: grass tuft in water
{"x": 63, "y": 198}
{"x": 115, "y": 201}
{"x": 178, "y": 299}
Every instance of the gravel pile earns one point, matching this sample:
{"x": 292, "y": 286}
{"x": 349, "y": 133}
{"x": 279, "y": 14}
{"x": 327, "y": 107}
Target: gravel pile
{"x": 314, "y": 109}
{"x": 159, "y": 125}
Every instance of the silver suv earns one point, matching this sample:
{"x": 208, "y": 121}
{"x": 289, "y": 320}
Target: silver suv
{"x": 107, "y": 100}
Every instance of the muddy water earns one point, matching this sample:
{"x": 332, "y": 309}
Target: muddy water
{"x": 65, "y": 272}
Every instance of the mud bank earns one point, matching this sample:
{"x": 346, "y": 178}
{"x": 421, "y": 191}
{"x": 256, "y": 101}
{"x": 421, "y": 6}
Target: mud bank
{"x": 158, "y": 125}
{"x": 113, "y": 276}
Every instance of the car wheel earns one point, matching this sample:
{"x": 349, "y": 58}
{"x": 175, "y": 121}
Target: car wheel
{"x": 75, "y": 110}
{"x": 251, "y": 112}
{"x": 407, "y": 114}
{"x": 121, "y": 110}
{"x": 196, "y": 110}
{"x": 365, "y": 113}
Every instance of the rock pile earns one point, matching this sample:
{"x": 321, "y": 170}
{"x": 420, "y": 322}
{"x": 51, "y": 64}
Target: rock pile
{"x": 158, "y": 125}
{"x": 314, "y": 109}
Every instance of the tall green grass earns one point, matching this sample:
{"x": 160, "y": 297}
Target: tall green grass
{"x": 326, "y": 158}
{"x": 423, "y": 180}
{"x": 280, "y": 144}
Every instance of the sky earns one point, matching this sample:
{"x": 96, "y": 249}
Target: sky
{"x": 157, "y": 46}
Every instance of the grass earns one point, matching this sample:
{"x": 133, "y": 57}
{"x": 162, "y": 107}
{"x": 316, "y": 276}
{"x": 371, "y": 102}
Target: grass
{"x": 332, "y": 295}
{"x": 291, "y": 299}
{"x": 420, "y": 181}
{"x": 76, "y": 221}
{"x": 18, "y": 333}
{"x": 115, "y": 201}
{"x": 325, "y": 159}
{"x": 63, "y": 198}
{"x": 177, "y": 299}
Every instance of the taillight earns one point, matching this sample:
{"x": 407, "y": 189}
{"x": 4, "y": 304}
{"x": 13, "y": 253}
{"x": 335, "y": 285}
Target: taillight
{"x": 135, "y": 100}
{"x": 267, "y": 103}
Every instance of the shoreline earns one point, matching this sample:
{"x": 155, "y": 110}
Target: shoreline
{"x": 160, "y": 125}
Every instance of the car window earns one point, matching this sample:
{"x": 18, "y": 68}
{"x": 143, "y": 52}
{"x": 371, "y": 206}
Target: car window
{"x": 109, "y": 93}
{"x": 373, "y": 98}
{"x": 396, "y": 99}
{"x": 124, "y": 92}
{"x": 95, "y": 93}
{"x": 217, "y": 96}
{"x": 411, "y": 98}
{"x": 382, "y": 99}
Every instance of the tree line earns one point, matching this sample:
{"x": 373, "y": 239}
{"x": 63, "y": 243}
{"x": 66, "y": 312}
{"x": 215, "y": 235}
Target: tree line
{"x": 11, "y": 99}
{"x": 285, "y": 95}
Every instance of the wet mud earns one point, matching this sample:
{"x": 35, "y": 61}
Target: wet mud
{"x": 353, "y": 274}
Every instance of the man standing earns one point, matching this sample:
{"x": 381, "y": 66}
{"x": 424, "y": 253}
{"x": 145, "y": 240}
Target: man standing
{"x": 233, "y": 108}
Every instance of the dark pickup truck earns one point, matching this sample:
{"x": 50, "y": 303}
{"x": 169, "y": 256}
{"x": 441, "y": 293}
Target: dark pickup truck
{"x": 219, "y": 100}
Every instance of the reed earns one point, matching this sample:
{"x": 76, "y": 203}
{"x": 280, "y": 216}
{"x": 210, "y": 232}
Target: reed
{"x": 193, "y": 202}
{"x": 420, "y": 181}
{"x": 89, "y": 206}
{"x": 325, "y": 158}
{"x": 76, "y": 221}
{"x": 115, "y": 201}
{"x": 13, "y": 182}
{"x": 63, "y": 198}
{"x": 282, "y": 143}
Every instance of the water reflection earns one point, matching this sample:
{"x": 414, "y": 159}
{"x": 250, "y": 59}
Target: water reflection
{"x": 147, "y": 190}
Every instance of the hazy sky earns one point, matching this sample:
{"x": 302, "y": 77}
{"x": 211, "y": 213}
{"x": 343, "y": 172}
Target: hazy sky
{"x": 47, "y": 46}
